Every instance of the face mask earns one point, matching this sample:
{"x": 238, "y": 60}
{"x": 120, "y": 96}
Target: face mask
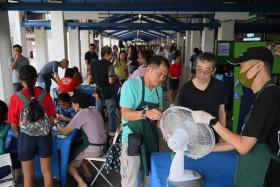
{"x": 244, "y": 80}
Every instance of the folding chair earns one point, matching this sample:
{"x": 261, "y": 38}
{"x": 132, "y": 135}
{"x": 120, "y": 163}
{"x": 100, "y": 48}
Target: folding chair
{"x": 5, "y": 160}
{"x": 102, "y": 159}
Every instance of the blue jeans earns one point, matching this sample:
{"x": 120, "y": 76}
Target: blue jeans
{"x": 111, "y": 110}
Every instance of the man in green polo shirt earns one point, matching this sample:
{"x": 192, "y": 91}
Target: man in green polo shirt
{"x": 141, "y": 107}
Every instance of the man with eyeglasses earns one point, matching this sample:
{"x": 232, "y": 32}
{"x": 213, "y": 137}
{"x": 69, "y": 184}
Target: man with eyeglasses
{"x": 204, "y": 92}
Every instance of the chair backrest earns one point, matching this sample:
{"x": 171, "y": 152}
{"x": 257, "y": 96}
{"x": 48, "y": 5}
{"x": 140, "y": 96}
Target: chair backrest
{"x": 5, "y": 160}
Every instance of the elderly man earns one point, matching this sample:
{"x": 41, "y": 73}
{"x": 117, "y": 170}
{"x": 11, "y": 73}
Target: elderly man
{"x": 16, "y": 62}
{"x": 141, "y": 106}
{"x": 257, "y": 165}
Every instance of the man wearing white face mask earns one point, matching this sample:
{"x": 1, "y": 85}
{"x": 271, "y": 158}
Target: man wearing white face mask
{"x": 258, "y": 145}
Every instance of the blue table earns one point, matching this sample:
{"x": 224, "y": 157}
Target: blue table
{"x": 217, "y": 168}
{"x": 62, "y": 145}
{"x": 85, "y": 88}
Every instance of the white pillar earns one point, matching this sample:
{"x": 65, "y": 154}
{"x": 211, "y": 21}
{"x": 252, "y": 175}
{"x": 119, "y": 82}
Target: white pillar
{"x": 161, "y": 41}
{"x": 84, "y": 34}
{"x": 91, "y": 37}
{"x": 187, "y": 48}
{"x": 110, "y": 42}
{"x": 74, "y": 48}
{"x": 100, "y": 44}
{"x": 6, "y": 86}
{"x": 207, "y": 39}
{"x": 179, "y": 40}
{"x": 195, "y": 40}
{"x": 180, "y": 43}
{"x": 59, "y": 39}
{"x": 168, "y": 41}
{"x": 226, "y": 31}
{"x": 18, "y": 33}
{"x": 41, "y": 47}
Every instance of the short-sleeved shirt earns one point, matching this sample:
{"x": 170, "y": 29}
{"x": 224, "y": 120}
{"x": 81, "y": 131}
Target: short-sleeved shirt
{"x": 175, "y": 70}
{"x": 265, "y": 114}
{"x": 16, "y": 105}
{"x": 208, "y": 100}
{"x": 68, "y": 84}
{"x": 131, "y": 95}
{"x": 89, "y": 56}
{"x": 140, "y": 71}
{"x": 193, "y": 60}
{"x": 120, "y": 69}
{"x": 101, "y": 70}
{"x": 91, "y": 121}
{"x": 15, "y": 72}
{"x": 49, "y": 69}
{"x": 68, "y": 112}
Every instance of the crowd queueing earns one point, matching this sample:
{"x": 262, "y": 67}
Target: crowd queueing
{"x": 128, "y": 84}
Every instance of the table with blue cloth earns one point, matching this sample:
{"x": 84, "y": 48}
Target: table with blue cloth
{"x": 216, "y": 168}
{"x": 59, "y": 161}
{"x": 85, "y": 88}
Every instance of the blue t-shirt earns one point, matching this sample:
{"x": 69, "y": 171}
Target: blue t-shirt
{"x": 68, "y": 112}
{"x": 131, "y": 95}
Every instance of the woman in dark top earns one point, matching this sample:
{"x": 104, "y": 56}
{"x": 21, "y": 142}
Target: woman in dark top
{"x": 132, "y": 60}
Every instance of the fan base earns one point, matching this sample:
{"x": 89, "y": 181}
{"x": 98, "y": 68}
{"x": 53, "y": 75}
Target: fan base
{"x": 189, "y": 179}
{"x": 191, "y": 183}
{"x": 188, "y": 175}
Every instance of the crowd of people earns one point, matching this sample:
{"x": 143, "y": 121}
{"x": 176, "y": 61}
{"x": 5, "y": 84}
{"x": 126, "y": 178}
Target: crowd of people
{"x": 129, "y": 81}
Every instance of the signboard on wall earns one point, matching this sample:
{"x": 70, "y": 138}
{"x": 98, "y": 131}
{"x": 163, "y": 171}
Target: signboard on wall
{"x": 223, "y": 49}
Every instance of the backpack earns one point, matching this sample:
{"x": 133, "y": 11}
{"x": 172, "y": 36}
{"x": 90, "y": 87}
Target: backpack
{"x": 38, "y": 128}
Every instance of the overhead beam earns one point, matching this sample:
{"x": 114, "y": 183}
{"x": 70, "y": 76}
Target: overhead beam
{"x": 131, "y": 26}
{"x": 151, "y": 28}
{"x": 256, "y": 28}
{"x": 144, "y": 26}
{"x": 190, "y": 5}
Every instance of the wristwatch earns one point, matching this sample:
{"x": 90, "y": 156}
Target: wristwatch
{"x": 213, "y": 122}
{"x": 143, "y": 114}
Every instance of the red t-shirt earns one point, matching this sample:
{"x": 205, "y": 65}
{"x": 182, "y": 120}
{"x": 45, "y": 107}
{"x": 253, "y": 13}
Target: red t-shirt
{"x": 68, "y": 84}
{"x": 175, "y": 70}
{"x": 16, "y": 105}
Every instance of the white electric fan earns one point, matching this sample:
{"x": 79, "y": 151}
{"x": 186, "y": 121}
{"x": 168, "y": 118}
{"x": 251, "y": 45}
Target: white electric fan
{"x": 185, "y": 137}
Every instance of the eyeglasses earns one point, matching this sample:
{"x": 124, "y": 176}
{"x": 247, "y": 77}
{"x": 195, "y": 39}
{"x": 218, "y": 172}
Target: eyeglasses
{"x": 204, "y": 72}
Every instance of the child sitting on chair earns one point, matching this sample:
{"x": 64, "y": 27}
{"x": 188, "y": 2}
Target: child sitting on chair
{"x": 64, "y": 110}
